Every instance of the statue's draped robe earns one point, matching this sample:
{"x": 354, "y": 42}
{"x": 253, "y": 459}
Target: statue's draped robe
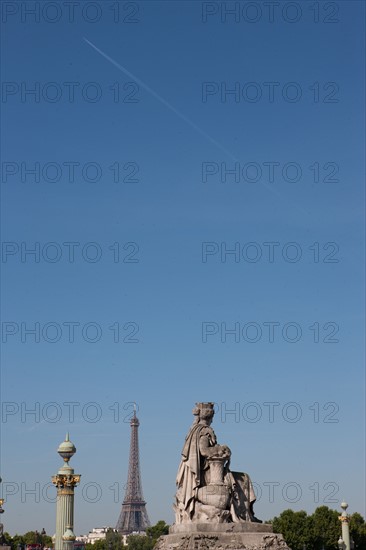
{"x": 244, "y": 497}
{"x": 191, "y": 469}
{"x": 192, "y": 475}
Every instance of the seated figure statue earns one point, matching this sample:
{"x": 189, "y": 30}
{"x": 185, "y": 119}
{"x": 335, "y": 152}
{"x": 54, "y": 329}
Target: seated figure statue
{"x": 207, "y": 491}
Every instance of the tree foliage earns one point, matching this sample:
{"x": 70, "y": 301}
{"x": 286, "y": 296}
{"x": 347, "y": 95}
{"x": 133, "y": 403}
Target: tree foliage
{"x": 113, "y": 540}
{"x": 147, "y": 542}
{"x": 357, "y": 527}
{"x": 139, "y": 542}
{"x": 326, "y": 528}
{"x": 6, "y": 539}
{"x": 157, "y": 530}
{"x": 320, "y": 530}
{"x": 295, "y": 527}
{"x": 98, "y": 545}
{"x": 31, "y": 537}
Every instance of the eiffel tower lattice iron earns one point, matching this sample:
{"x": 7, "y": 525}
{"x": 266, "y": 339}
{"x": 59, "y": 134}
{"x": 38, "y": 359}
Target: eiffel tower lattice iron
{"x": 133, "y": 517}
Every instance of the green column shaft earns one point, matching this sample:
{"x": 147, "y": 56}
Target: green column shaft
{"x": 345, "y": 535}
{"x": 64, "y": 514}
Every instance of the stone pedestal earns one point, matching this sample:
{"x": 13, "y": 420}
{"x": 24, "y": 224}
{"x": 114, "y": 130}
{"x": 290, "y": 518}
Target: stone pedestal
{"x": 246, "y": 535}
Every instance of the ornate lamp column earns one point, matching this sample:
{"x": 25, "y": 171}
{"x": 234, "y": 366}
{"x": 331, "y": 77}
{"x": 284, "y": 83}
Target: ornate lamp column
{"x": 345, "y": 541}
{"x": 65, "y": 481}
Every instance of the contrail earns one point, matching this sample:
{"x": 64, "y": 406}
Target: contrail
{"x": 162, "y": 100}
{"x": 183, "y": 117}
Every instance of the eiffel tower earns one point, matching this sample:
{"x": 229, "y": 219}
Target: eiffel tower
{"x": 133, "y": 517}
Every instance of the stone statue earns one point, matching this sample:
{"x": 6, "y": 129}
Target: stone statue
{"x": 213, "y": 505}
{"x": 207, "y": 491}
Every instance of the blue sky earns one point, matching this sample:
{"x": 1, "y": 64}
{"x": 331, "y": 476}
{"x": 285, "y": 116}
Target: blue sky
{"x": 149, "y": 98}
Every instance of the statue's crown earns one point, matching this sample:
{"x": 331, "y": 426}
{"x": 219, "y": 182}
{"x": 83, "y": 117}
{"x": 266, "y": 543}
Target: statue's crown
{"x": 205, "y": 407}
